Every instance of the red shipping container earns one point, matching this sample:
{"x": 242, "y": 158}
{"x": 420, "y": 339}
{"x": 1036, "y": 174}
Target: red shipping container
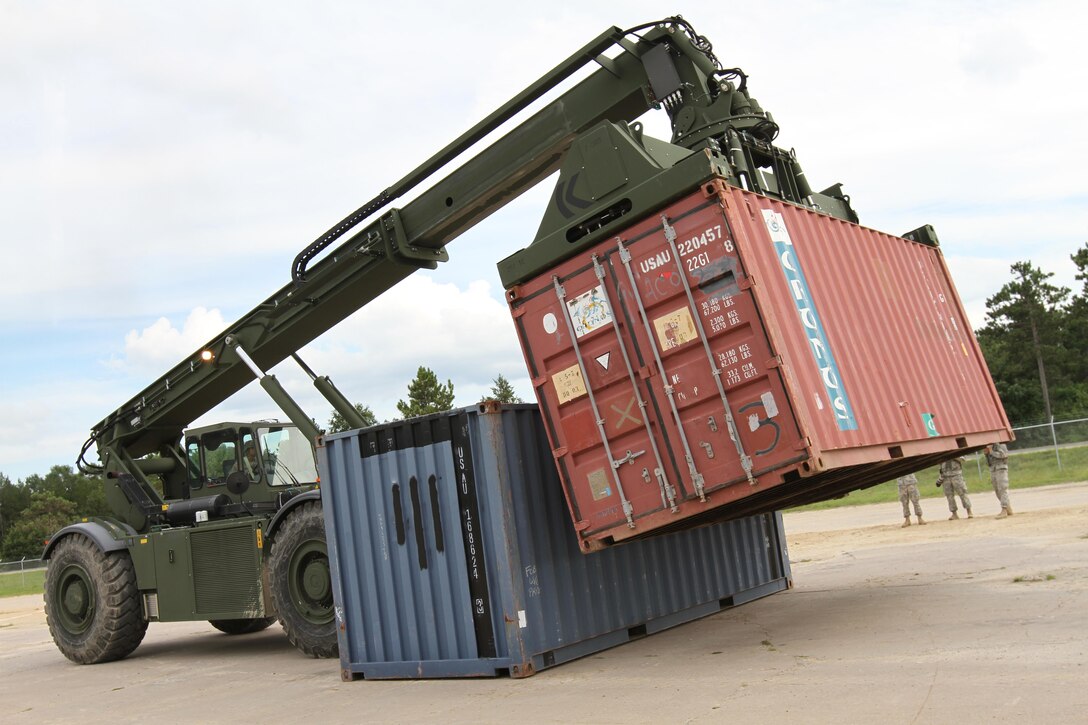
{"x": 735, "y": 355}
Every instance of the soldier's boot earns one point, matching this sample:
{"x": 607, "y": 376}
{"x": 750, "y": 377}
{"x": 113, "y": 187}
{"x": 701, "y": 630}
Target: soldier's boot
{"x": 954, "y": 516}
{"x": 969, "y": 514}
{"x": 906, "y": 523}
{"x": 1004, "y": 513}
{"x": 921, "y": 521}
{"x": 1008, "y": 510}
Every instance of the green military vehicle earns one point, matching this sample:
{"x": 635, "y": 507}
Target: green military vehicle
{"x": 197, "y": 534}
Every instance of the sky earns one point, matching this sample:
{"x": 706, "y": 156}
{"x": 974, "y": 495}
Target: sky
{"x": 162, "y": 163}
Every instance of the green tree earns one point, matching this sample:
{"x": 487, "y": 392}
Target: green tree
{"x": 338, "y": 424}
{"x": 502, "y": 391}
{"x": 1023, "y": 343}
{"x": 85, "y": 492}
{"x": 426, "y": 395}
{"x": 1077, "y": 323}
{"x": 45, "y": 515}
{"x": 14, "y": 499}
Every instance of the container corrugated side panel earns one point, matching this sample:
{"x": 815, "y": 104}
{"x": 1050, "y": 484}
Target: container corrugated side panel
{"x": 903, "y": 349}
{"x": 571, "y": 596}
{"x": 546, "y": 602}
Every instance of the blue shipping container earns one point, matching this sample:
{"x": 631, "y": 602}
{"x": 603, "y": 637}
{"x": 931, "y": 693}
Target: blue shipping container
{"x": 453, "y": 554}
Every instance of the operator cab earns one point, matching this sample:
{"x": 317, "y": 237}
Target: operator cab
{"x": 249, "y": 462}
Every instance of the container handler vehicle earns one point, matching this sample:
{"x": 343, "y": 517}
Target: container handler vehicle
{"x": 242, "y": 544}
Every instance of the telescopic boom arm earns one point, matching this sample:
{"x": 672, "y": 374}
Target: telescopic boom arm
{"x": 659, "y": 64}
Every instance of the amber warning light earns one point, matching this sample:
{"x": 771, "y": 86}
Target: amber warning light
{"x": 206, "y": 355}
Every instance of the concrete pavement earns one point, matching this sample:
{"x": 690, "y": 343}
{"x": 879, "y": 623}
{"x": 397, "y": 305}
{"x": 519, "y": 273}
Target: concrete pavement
{"x": 955, "y": 622}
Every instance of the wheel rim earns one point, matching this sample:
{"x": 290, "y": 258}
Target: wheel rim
{"x": 75, "y": 599}
{"x": 310, "y": 583}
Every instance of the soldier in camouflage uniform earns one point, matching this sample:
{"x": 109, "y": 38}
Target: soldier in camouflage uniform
{"x": 908, "y": 494}
{"x": 997, "y": 458}
{"x": 951, "y": 478}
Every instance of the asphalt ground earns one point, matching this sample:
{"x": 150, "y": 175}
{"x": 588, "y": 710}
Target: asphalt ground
{"x": 967, "y": 621}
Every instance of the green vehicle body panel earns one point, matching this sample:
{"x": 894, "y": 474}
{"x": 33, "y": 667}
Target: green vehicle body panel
{"x": 210, "y": 570}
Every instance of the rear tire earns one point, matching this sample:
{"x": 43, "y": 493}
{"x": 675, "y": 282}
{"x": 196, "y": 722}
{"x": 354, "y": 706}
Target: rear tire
{"x": 92, "y": 603}
{"x": 242, "y": 626}
{"x": 301, "y": 582}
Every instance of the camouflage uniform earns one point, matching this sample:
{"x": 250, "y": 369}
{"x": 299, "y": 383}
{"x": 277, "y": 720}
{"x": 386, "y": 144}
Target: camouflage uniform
{"x": 951, "y": 478}
{"x": 997, "y": 458}
{"x": 908, "y": 494}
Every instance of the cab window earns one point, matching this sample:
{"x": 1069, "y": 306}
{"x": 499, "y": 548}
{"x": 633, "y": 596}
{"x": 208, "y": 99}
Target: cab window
{"x": 289, "y": 457}
{"x": 254, "y": 463}
{"x": 220, "y": 456}
{"x": 192, "y": 451}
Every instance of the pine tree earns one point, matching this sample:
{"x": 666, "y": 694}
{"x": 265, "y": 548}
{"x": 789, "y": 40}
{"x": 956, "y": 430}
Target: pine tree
{"x": 502, "y": 391}
{"x": 426, "y": 395}
{"x": 1022, "y": 341}
{"x": 1076, "y": 331}
{"x": 338, "y": 424}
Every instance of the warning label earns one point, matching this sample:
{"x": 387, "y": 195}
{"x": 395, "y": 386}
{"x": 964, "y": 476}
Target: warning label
{"x": 569, "y": 384}
{"x": 675, "y": 328}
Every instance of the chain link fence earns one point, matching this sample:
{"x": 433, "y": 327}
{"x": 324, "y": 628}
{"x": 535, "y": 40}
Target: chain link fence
{"x": 23, "y": 564}
{"x": 1048, "y": 435}
{"x": 19, "y": 569}
{"x": 1055, "y": 435}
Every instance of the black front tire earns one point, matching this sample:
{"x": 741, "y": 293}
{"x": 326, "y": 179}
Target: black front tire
{"x": 242, "y": 626}
{"x": 92, "y": 603}
{"x": 302, "y": 583}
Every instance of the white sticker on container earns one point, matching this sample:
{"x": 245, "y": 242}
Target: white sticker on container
{"x": 602, "y": 360}
{"x": 589, "y": 311}
{"x": 768, "y": 404}
{"x": 522, "y": 621}
{"x": 550, "y": 323}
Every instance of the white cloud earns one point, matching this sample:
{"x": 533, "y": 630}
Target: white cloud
{"x": 161, "y": 345}
{"x": 154, "y": 161}
{"x": 463, "y": 334}
{"x": 46, "y": 425}
{"x": 973, "y": 278}
{"x": 999, "y": 55}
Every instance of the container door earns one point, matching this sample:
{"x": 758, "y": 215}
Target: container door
{"x": 611, "y": 428}
{"x": 725, "y": 410}
{"x": 661, "y": 391}
{"x": 403, "y": 525}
